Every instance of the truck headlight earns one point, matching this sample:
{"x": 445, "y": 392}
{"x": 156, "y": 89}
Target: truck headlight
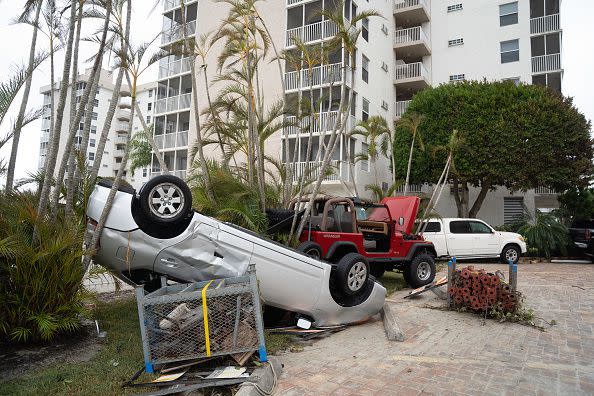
{"x": 521, "y": 238}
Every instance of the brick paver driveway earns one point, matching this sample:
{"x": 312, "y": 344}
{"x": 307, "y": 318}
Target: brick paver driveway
{"x": 450, "y": 353}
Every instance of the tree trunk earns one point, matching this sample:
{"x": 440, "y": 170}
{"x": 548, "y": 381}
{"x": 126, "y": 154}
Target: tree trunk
{"x": 52, "y": 155}
{"x": 21, "y": 116}
{"x": 485, "y": 186}
{"x": 83, "y": 103}
{"x": 410, "y": 156}
{"x": 462, "y": 200}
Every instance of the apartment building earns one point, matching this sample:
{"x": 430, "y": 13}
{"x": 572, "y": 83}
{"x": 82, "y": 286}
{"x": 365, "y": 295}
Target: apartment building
{"x": 417, "y": 44}
{"x": 116, "y": 141}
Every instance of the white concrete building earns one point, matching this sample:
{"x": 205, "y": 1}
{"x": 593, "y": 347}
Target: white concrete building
{"x": 417, "y": 44}
{"x": 115, "y": 145}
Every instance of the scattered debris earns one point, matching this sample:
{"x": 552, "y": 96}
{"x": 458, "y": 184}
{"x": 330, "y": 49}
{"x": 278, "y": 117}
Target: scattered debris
{"x": 432, "y": 286}
{"x": 393, "y": 332}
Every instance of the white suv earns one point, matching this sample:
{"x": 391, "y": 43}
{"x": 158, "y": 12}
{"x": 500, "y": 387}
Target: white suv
{"x": 472, "y": 239}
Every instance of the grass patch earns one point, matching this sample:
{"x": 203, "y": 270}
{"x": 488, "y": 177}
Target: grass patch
{"x": 117, "y": 361}
{"x": 393, "y": 281}
{"x": 276, "y": 342}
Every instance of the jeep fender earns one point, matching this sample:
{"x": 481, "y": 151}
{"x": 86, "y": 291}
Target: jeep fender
{"x": 420, "y": 247}
{"x": 341, "y": 248}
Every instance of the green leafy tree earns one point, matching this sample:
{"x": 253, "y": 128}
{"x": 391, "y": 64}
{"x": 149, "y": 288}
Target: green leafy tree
{"x": 141, "y": 151}
{"x": 546, "y": 234}
{"x": 517, "y": 136}
{"x": 576, "y": 204}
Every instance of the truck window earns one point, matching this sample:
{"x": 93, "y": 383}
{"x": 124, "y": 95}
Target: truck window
{"x": 433, "y": 226}
{"x": 460, "y": 227}
{"x": 479, "y": 228}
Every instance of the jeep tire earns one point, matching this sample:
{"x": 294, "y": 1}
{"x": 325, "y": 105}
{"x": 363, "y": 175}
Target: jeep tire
{"x": 421, "y": 271}
{"x": 311, "y": 249}
{"x": 352, "y": 273}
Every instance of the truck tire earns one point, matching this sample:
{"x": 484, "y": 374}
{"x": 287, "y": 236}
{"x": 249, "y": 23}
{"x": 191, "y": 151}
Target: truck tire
{"x": 165, "y": 199}
{"x": 311, "y": 249}
{"x": 352, "y": 272}
{"x": 377, "y": 270}
{"x": 510, "y": 252}
{"x": 421, "y": 271}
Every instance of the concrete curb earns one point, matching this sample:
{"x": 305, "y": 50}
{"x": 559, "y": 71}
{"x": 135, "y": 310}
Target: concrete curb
{"x": 262, "y": 377}
{"x": 393, "y": 332}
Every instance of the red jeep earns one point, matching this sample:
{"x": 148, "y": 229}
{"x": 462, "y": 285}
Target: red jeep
{"x": 362, "y": 238}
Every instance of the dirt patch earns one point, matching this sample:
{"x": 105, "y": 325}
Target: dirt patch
{"x": 19, "y": 360}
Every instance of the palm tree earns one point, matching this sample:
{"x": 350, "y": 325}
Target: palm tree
{"x": 52, "y": 155}
{"x": 375, "y": 131}
{"x": 22, "y": 110}
{"x": 346, "y": 37}
{"x": 412, "y": 122}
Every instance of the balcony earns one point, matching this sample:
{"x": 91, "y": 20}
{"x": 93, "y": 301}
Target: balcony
{"x": 121, "y": 139}
{"x": 412, "y": 76}
{"x": 411, "y": 42}
{"x": 173, "y": 68}
{"x": 544, "y": 191}
{"x": 546, "y": 63}
{"x": 312, "y": 32}
{"x": 124, "y": 115}
{"x": 171, "y": 4}
{"x": 122, "y": 127}
{"x": 413, "y": 189}
{"x": 400, "y": 108}
{"x": 320, "y": 75}
{"x": 179, "y": 173}
{"x": 119, "y": 152}
{"x": 311, "y": 170}
{"x": 323, "y": 122}
{"x": 177, "y": 33}
{"x": 545, "y": 24}
{"x": 174, "y": 103}
{"x": 412, "y": 11}
{"x": 171, "y": 140}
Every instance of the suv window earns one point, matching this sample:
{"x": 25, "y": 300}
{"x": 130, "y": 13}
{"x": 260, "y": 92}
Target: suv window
{"x": 479, "y": 228}
{"x": 460, "y": 227}
{"x": 433, "y": 226}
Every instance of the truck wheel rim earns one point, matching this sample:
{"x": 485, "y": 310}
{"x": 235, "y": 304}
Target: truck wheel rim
{"x": 511, "y": 254}
{"x": 166, "y": 200}
{"x": 357, "y": 275}
{"x": 424, "y": 271}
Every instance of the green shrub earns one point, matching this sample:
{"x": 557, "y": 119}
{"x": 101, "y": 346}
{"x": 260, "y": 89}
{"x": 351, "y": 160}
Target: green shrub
{"x": 40, "y": 280}
{"x": 546, "y": 234}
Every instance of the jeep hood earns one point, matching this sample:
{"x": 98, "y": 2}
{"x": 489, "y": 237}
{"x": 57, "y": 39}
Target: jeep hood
{"x": 405, "y": 207}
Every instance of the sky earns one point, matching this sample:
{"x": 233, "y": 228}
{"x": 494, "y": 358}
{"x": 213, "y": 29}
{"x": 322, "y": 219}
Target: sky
{"x": 577, "y": 61}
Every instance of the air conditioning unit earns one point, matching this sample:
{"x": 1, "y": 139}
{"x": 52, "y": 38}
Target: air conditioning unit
{"x": 384, "y": 66}
{"x": 384, "y": 105}
{"x": 385, "y": 29}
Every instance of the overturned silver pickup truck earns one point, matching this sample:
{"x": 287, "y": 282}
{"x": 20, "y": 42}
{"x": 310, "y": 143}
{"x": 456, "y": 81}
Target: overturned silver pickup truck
{"x": 155, "y": 232}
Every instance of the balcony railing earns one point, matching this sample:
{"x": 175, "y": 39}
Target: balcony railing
{"x": 545, "y": 24}
{"x": 326, "y": 74}
{"x": 401, "y": 107}
{"x": 177, "y": 67}
{"x": 311, "y": 170}
{"x": 411, "y": 70}
{"x": 171, "y": 140}
{"x": 169, "y": 4}
{"x": 312, "y": 32}
{"x": 322, "y": 122}
{"x": 177, "y": 33}
{"x": 119, "y": 152}
{"x": 544, "y": 191}
{"x": 121, "y": 139}
{"x": 403, "y": 4}
{"x": 174, "y": 103}
{"x": 412, "y": 189}
{"x": 546, "y": 63}
{"x": 410, "y": 35}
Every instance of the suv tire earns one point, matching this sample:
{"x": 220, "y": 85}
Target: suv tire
{"x": 310, "y": 249}
{"x": 165, "y": 199}
{"x": 352, "y": 273}
{"x": 510, "y": 252}
{"x": 421, "y": 271}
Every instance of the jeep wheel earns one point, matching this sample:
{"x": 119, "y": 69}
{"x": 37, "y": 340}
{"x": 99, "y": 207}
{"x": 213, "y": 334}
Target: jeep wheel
{"x": 165, "y": 199}
{"x": 377, "y": 270}
{"x": 352, "y": 272}
{"x": 310, "y": 249}
{"x": 421, "y": 271}
{"x": 510, "y": 252}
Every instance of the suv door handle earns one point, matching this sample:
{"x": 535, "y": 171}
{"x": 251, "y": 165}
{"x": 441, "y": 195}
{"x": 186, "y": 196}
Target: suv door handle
{"x": 169, "y": 262}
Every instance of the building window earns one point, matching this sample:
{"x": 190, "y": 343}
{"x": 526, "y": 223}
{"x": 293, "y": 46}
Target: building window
{"x": 510, "y": 51}
{"x": 96, "y": 103}
{"x": 365, "y": 69}
{"x": 457, "y": 77}
{"x": 365, "y": 29}
{"x": 455, "y": 7}
{"x": 92, "y": 143}
{"x": 149, "y": 106}
{"x": 539, "y": 8}
{"x": 364, "y": 163}
{"x": 91, "y": 156}
{"x": 144, "y": 172}
{"x": 508, "y": 14}
{"x": 365, "y": 112}
{"x": 81, "y": 85}
{"x": 550, "y": 80}
{"x": 150, "y": 93}
{"x": 545, "y": 44}
{"x": 454, "y": 42}
{"x": 94, "y": 116}
{"x": 93, "y": 129}
{"x": 148, "y": 119}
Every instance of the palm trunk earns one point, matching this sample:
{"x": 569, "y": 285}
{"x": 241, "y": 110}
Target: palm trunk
{"x": 441, "y": 183}
{"x": 21, "y": 116}
{"x": 259, "y": 147}
{"x": 410, "y": 155}
{"x": 250, "y": 140}
{"x": 212, "y": 114}
{"x": 55, "y": 141}
{"x": 393, "y": 159}
{"x": 83, "y": 103}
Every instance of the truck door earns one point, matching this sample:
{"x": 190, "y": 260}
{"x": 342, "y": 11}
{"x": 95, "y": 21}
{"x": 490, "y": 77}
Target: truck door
{"x": 485, "y": 240}
{"x": 460, "y": 239}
